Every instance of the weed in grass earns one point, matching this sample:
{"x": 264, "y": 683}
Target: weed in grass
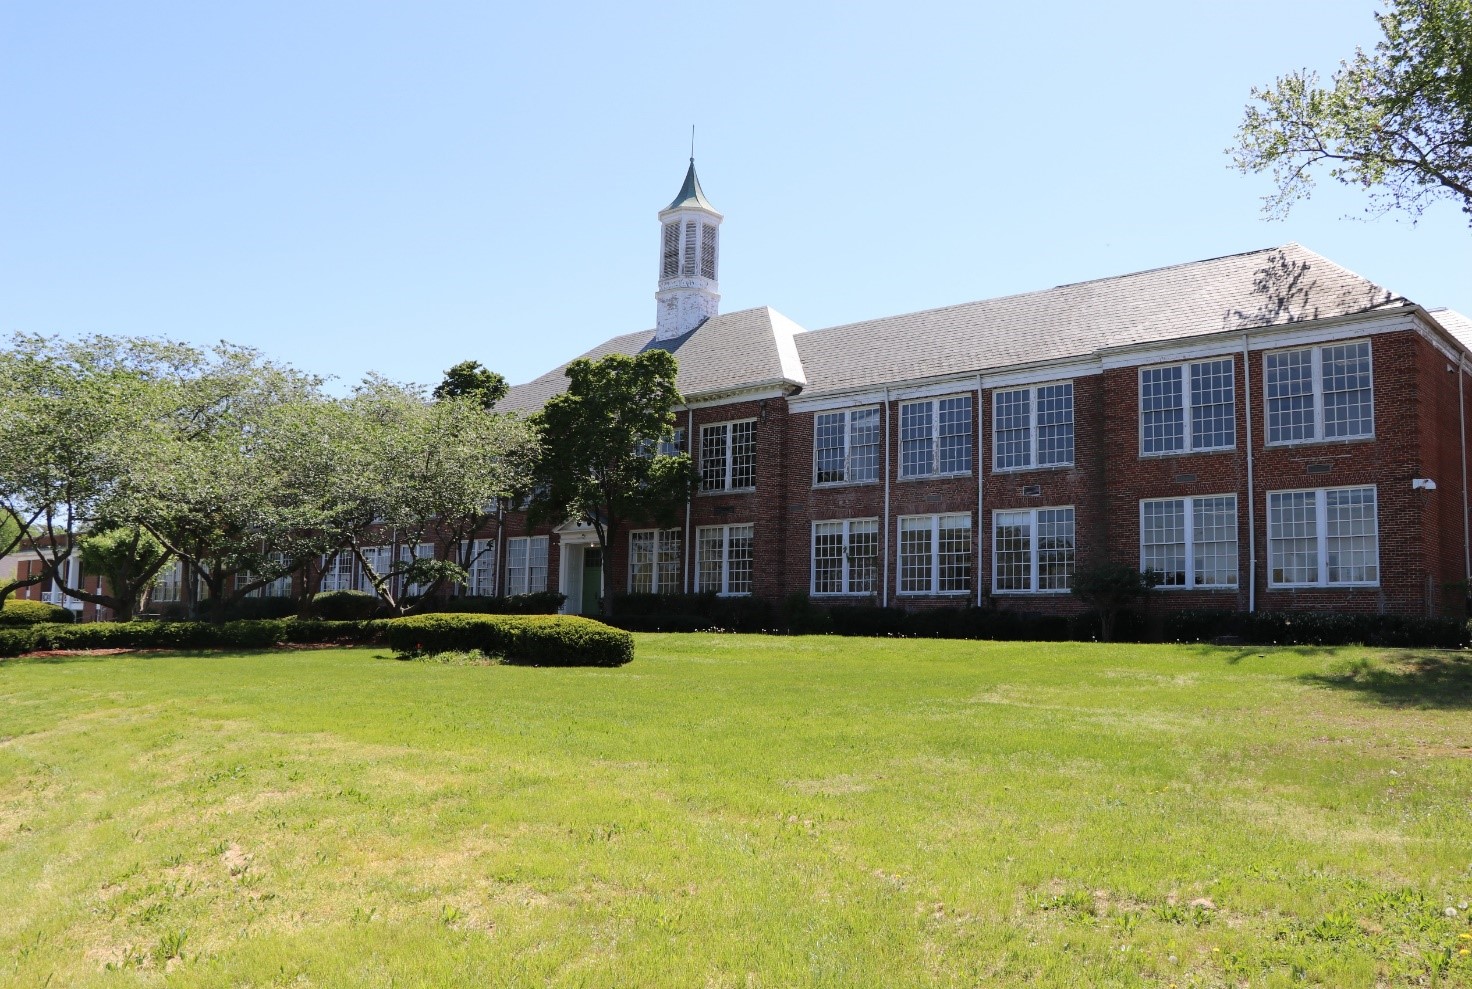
{"x": 472, "y": 657}
{"x": 170, "y": 946}
{"x": 450, "y": 915}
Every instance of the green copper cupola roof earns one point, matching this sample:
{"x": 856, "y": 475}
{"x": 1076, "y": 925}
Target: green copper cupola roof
{"x": 690, "y": 194}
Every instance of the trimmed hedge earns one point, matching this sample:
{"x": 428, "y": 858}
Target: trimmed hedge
{"x": 539, "y": 603}
{"x": 1316, "y": 628}
{"x": 538, "y": 640}
{"x": 344, "y": 606}
{"x": 17, "y": 611}
{"x": 186, "y": 635}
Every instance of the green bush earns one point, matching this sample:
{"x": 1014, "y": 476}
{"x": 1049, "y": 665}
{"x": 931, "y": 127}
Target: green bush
{"x": 20, "y": 612}
{"x": 344, "y": 606}
{"x": 187, "y": 635}
{"x": 692, "y": 612}
{"x": 539, "y": 603}
{"x": 16, "y": 640}
{"x": 538, "y": 640}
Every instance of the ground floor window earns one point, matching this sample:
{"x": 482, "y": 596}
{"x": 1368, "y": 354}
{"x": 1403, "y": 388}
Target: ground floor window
{"x": 1032, "y": 550}
{"x": 480, "y": 565}
{"x": 1190, "y": 542}
{"x": 170, "y": 582}
{"x": 654, "y": 561}
{"x": 846, "y": 556}
{"x": 1323, "y": 537}
{"x": 278, "y": 588}
{"x": 380, "y": 558}
{"x": 337, "y": 571}
{"x": 935, "y": 554}
{"x": 723, "y": 558}
{"x": 526, "y": 565}
{"x": 407, "y": 555}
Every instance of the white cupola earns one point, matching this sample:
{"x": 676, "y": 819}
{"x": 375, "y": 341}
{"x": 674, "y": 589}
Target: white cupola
{"x": 688, "y": 262}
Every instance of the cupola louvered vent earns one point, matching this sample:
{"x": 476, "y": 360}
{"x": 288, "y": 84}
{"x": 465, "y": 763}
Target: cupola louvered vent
{"x": 708, "y": 251}
{"x": 689, "y": 267}
{"x": 670, "y": 265}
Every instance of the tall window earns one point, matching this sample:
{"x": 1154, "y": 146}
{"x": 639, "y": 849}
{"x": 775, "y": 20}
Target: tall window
{"x": 380, "y": 558}
{"x": 1323, "y": 537}
{"x": 1188, "y": 407}
{"x": 846, "y": 556}
{"x": 481, "y": 565}
{"x": 935, "y": 437}
{"x": 1190, "y": 542}
{"x": 654, "y": 561}
{"x": 526, "y": 565}
{"x": 723, "y": 559}
{"x": 1033, "y": 427}
{"x": 728, "y": 456}
{"x": 669, "y": 265}
{"x": 337, "y": 571}
{"x": 170, "y": 582}
{"x": 846, "y": 446}
{"x": 407, "y": 555}
{"x": 935, "y": 554}
{"x": 1319, "y": 393}
{"x": 1032, "y": 550}
{"x": 280, "y": 587}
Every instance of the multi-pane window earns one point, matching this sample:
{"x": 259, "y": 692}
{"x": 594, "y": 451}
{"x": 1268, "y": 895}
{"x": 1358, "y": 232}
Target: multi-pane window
{"x": 654, "y": 561}
{"x": 846, "y": 446}
{"x": 407, "y": 555}
{"x": 1190, "y": 542}
{"x": 1033, "y": 550}
{"x": 935, "y": 437}
{"x": 170, "y": 582}
{"x": 480, "y": 563}
{"x": 666, "y": 446}
{"x": 1319, "y": 393}
{"x": 1188, "y": 407}
{"x": 526, "y": 564}
{"x": 935, "y": 554}
{"x": 280, "y": 587}
{"x": 728, "y": 456}
{"x": 723, "y": 559}
{"x": 846, "y": 556}
{"x": 380, "y": 558}
{"x": 337, "y": 571}
{"x": 1323, "y": 537}
{"x": 1033, "y": 427}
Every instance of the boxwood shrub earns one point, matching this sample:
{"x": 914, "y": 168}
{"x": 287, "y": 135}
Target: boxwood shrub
{"x": 17, "y": 611}
{"x": 538, "y": 603}
{"x": 186, "y": 635}
{"x": 344, "y": 606}
{"x": 538, "y": 640}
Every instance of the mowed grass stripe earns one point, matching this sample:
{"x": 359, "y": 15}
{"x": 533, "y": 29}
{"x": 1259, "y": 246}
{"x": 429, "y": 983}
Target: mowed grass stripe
{"x": 735, "y": 811}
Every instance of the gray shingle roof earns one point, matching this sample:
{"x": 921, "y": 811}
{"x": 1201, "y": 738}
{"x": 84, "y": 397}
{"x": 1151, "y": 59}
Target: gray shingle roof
{"x": 1456, "y": 324}
{"x": 1262, "y": 288}
{"x": 760, "y": 346}
{"x": 726, "y": 352}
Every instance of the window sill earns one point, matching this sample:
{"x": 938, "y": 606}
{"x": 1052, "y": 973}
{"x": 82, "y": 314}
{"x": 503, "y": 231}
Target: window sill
{"x": 932, "y": 594}
{"x": 725, "y": 491}
{"x": 1031, "y": 594}
{"x": 1163, "y": 454}
{"x": 824, "y": 485}
{"x": 1173, "y": 588}
{"x": 933, "y": 477}
{"x": 1334, "y": 441}
{"x": 1030, "y": 470}
{"x": 1323, "y": 587}
{"x": 843, "y": 594}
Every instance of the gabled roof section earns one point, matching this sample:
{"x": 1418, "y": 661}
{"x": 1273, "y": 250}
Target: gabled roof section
{"x": 1270, "y": 287}
{"x": 750, "y": 349}
{"x": 690, "y": 193}
{"x": 1458, "y": 325}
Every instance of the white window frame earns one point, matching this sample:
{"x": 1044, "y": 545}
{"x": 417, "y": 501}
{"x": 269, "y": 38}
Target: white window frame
{"x": 730, "y": 457}
{"x": 660, "y": 538}
{"x": 1032, "y": 426}
{"x": 523, "y": 574}
{"x": 724, "y": 590}
{"x": 1190, "y": 539}
{"x": 933, "y": 588}
{"x": 1034, "y": 575}
{"x": 279, "y": 587}
{"x": 846, "y": 577}
{"x": 1317, "y": 384}
{"x": 341, "y": 574}
{"x": 381, "y": 558}
{"x": 1321, "y": 533}
{"x": 1187, "y": 409}
{"x": 480, "y": 566}
{"x": 934, "y": 403}
{"x": 848, "y": 446}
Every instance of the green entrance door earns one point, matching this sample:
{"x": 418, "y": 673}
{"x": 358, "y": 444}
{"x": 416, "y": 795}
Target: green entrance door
{"x": 592, "y": 579}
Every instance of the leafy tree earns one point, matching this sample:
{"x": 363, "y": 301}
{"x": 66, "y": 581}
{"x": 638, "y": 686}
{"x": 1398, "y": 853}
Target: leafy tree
{"x": 469, "y": 379}
{"x": 1397, "y": 120}
{"x": 418, "y": 471}
{"x": 600, "y": 461}
{"x": 1110, "y": 588}
{"x": 128, "y": 559}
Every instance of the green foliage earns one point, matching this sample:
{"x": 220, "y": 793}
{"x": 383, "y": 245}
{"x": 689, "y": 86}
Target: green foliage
{"x": 18, "y": 612}
{"x": 599, "y": 459}
{"x": 538, "y": 640}
{"x": 1110, "y": 588}
{"x": 469, "y": 379}
{"x": 262, "y": 634}
{"x": 1317, "y": 628}
{"x": 1396, "y": 120}
{"x": 128, "y": 558}
{"x": 344, "y": 606}
{"x": 538, "y": 603}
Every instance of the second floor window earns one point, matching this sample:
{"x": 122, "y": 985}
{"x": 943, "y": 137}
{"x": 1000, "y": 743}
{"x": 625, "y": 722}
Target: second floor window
{"x": 1033, "y": 427}
{"x": 935, "y": 437}
{"x": 1188, "y": 407}
{"x": 846, "y": 446}
{"x": 1319, "y": 393}
{"x": 728, "y": 456}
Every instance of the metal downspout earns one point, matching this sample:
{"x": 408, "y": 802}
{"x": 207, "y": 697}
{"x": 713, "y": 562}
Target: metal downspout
{"x": 1251, "y": 493}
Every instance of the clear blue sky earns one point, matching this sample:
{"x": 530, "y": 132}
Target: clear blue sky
{"x": 399, "y": 186}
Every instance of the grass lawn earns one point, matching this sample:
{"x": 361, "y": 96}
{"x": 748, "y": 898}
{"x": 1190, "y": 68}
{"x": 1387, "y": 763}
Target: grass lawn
{"x": 740, "y": 811}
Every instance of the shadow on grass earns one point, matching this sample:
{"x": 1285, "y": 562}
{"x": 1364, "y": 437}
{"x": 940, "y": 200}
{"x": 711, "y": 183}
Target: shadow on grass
{"x": 1404, "y": 679}
{"x": 1234, "y": 654}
